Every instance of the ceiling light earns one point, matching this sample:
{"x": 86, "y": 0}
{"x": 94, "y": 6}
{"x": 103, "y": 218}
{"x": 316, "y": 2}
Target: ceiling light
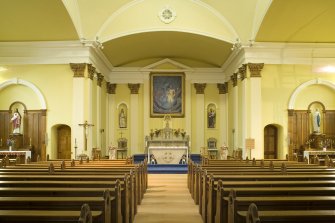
{"x": 3, "y": 69}
{"x": 328, "y": 69}
{"x": 325, "y": 69}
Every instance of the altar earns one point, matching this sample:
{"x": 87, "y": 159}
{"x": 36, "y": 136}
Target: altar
{"x": 167, "y": 145}
{"x": 14, "y": 154}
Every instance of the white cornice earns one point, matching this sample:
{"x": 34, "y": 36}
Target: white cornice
{"x": 280, "y": 53}
{"x": 57, "y": 52}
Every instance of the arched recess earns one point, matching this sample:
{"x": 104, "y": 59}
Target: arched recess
{"x": 60, "y": 142}
{"x": 15, "y": 81}
{"x": 297, "y": 91}
{"x": 221, "y": 27}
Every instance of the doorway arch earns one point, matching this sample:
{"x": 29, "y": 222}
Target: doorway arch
{"x": 270, "y": 142}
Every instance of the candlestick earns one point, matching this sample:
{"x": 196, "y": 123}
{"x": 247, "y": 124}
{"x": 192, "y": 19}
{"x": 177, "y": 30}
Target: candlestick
{"x": 75, "y": 142}
{"x": 1, "y": 142}
{"x": 30, "y": 141}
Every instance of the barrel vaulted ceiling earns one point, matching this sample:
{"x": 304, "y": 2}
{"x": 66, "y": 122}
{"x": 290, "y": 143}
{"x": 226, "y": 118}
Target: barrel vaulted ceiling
{"x": 201, "y": 33}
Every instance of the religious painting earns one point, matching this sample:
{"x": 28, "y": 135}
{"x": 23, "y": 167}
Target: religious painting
{"x": 167, "y": 94}
{"x": 211, "y": 116}
{"x": 123, "y": 116}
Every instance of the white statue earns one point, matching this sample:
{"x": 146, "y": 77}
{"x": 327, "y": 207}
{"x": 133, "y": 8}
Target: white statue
{"x": 112, "y": 152}
{"x": 316, "y": 121}
{"x": 223, "y": 152}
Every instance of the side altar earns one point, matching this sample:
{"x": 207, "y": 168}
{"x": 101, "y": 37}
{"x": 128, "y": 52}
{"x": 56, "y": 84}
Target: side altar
{"x": 167, "y": 145}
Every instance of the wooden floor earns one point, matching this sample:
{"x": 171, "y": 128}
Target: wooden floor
{"x": 167, "y": 200}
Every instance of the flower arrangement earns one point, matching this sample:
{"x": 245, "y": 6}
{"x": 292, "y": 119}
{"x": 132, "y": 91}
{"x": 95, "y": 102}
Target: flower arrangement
{"x": 183, "y": 133}
{"x": 10, "y": 142}
{"x": 157, "y": 132}
{"x": 176, "y": 132}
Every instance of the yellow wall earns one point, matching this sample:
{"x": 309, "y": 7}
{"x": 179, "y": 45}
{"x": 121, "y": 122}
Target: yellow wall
{"x": 55, "y": 84}
{"x": 279, "y": 83}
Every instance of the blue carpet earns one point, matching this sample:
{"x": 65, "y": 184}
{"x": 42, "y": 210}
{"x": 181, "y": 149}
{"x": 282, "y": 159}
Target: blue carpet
{"x": 167, "y": 168}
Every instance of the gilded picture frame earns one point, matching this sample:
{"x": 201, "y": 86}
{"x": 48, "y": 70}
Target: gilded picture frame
{"x": 167, "y": 94}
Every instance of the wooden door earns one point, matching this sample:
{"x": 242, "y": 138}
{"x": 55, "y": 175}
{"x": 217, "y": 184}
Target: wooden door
{"x": 64, "y": 142}
{"x": 270, "y": 142}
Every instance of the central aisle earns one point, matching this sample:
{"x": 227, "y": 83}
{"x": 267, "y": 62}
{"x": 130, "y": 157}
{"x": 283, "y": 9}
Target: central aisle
{"x": 167, "y": 200}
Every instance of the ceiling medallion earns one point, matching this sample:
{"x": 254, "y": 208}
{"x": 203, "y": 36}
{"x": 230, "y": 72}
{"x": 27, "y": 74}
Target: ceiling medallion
{"x": 167, "y": 14}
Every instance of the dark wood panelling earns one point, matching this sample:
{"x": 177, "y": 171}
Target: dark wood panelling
{"x": 299, "y": 128}
{"x": 4, "y": 127}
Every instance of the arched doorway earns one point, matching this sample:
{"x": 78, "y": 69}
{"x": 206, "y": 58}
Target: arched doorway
{"x": 270, "y": 142}
{"x": 63, "y": 142}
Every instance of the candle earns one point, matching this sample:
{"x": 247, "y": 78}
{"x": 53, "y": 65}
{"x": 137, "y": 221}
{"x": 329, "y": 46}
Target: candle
{"x": 1, "y": 142}
{"x": 30, "y": 141}
{"x": 75, "y": 142}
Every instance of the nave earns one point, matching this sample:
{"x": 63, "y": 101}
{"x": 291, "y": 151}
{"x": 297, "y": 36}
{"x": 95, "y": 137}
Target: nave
{"x": 167, "y": 199}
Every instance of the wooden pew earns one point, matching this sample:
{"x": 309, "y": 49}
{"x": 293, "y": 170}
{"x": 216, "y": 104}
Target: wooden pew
{"x": 64, "y": 198}
{"x": 289, "y": 216}
{"x": 266, "y": 203}
{"x": 223, "y": 192}
{"x": 128, "y": 205}
{"x": 85, "y": 215}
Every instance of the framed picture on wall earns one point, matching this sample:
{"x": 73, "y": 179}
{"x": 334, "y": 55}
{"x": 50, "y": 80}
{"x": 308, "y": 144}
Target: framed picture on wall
{"x": 167, "y": 94}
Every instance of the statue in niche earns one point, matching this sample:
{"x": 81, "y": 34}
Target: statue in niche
{"x": 16, "y": 121}
{"x": 211, "y": 118}
{"x": 316, "y": 121}
{"x": 122, "y": 119}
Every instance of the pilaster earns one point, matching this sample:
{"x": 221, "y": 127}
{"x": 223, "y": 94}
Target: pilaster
{"x": 134, "y": 118}
{"x": 223, "y": 125}
{"x": 255, "y": 124}
{"x": 200, "y": 108}
{"x": 78, "y": 108}
{"x": 111, "y": 112}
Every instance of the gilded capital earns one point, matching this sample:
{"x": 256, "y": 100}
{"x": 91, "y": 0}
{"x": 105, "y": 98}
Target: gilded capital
{"x": 255, "y": 69}
{"x": 234, "y": 79}
{"x": 110, "y": 88}
{"x": 134, "y": 88}
{"x": 100, "y": 78}
{"x": 199, "y": 88}
{"x": 78, "y": 69}
{"x": 243, "y": 71}
{"x": 223, "y": 88}
{"x": 91, "y": 71}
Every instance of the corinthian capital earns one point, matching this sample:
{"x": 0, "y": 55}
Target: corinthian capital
{"x": 199, "y": 88}
{"x": 134, "y": 88}
{"x": 255, "y": 69}
{"x": 78, "y": 69}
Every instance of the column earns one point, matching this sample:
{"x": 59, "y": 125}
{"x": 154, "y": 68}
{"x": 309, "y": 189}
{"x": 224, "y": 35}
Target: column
{"x": 200, "y": 117}
{"x": 110, "y": 114}
{"x": 235, "y": 129}
{"x": 223, "y": 125}
{"x": 188, "y": 109}
{"x": 78, "y": 138}
{"x": 146, "y": 108}
{"x": 134, "y": 123}
{"x": 242, "y": 71}
{"x": 89, "y": 108}
{"x": 100, "y": 79}
{"x": 256, "y": 130}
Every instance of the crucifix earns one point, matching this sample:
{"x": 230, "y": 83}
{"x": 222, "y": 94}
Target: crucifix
{"x": 86, "y": 125}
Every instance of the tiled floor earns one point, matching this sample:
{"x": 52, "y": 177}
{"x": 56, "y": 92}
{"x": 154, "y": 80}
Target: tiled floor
{"x": 167, "y": 200}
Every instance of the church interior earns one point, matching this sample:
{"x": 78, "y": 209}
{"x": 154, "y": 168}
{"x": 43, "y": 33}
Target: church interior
{"x": 168, "y": 80}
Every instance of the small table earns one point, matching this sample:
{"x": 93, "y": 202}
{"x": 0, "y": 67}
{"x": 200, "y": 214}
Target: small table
{"x": 122, "y": 152}
{"x": 212, "y": 153}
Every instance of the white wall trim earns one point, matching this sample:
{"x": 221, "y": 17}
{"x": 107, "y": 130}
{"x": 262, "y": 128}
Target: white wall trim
{"x": 16, "y": 81}
{"x": 306, "y": 84}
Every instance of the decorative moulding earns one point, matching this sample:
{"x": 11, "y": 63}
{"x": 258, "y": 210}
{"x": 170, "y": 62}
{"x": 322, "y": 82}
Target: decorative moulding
{"x": 167, "y": 14}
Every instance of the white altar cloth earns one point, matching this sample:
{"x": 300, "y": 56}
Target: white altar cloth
{"x": 168, "y": 154}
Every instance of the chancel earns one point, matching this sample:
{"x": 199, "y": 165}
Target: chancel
{"x": 198, "y": 102}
